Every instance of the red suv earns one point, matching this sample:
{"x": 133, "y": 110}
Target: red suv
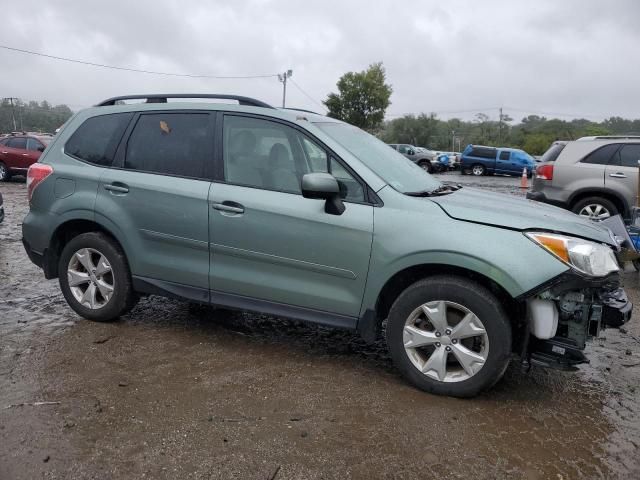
{"x": 19, "y": 151}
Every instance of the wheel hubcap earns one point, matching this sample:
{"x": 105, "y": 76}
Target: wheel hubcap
{"x": 3, "y": 172}
{"x": 90, "y": 278}
{"x": 445, "y": 341}
{"x": 477, "y": 170}
{"x": 595, "y": 211}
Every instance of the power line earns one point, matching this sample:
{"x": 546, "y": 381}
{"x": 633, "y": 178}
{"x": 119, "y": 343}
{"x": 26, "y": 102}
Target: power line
{"x": 307, "y": 95}
{"x": 126, "y": 69}
{"x": 571, "y": 115}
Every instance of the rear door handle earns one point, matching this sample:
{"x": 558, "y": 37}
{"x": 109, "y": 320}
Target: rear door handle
{"x": 618, "y": 175}
{"x": 227, "y": 206}
{"x": 121, "y": 188}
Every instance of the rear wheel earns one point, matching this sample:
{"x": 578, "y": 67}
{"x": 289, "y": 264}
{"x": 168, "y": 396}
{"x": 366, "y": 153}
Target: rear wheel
{"x": 5, "y": 175}
{"x": 595, "y": 208}
{"x": 478, "y": 170}
{"x": 449, "y": 336}
{"x": 426, "y": 166}
{"x": 95, "y": 278}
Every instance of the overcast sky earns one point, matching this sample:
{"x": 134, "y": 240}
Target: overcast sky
{"x": 559, "y": 58}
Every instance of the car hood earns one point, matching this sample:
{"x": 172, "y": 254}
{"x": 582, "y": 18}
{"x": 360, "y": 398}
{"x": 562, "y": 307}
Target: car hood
{"x": 508, "y": 211}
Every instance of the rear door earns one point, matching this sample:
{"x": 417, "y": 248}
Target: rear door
{"x": 157, "y": 197}
{"x": 34, "y": 149}
{"x": 621, "y": 173}
{"x": 270, "y": 243}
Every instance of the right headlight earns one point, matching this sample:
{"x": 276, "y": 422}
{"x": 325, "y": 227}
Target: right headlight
{"x": 590, "y": 258}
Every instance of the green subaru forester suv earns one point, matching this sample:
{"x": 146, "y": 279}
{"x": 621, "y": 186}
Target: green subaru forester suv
{"x": 299, "y": 215}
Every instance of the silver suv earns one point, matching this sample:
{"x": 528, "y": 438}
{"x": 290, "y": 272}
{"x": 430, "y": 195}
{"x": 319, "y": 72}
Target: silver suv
{"x": 595, "y": 177}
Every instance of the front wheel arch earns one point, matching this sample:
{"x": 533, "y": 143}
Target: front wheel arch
{"x": 403, "y": 279}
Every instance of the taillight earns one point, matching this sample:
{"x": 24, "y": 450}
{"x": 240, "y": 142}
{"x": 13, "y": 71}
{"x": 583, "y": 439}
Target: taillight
{"x": 544, "y": 172}
{"x": 36, "y": 174}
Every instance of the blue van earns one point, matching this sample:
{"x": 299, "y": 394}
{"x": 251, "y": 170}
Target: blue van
{"x": 481, "y": 160}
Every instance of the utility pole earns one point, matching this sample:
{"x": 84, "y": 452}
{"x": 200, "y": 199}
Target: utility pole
{"x": 500, "y": 127}
{"x": 13, "y": 113}
{"x": 453, "y": 140}
{"x": 283, "y": 78}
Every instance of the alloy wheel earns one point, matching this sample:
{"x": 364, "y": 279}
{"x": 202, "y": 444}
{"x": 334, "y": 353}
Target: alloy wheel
{"x": 3, "y": 172}
{"x": 595, "y": 211}
{"x": 445, "y": 341}
{"x": 477, "y": 170}
{"x": 90, "y": 278}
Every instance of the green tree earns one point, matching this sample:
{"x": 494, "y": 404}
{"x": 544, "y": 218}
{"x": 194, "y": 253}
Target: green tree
{"x": 362, "y": 98}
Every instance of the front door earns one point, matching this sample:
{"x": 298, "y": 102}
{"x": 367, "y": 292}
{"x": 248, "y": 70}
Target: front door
{"x": 271, "y": 244}
{"x": 158, "y": 199}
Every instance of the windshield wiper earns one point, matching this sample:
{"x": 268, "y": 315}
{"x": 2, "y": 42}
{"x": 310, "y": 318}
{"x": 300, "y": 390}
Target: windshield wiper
{"x": 444, "y": 189}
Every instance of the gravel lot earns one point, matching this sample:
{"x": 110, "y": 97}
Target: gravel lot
{"x": 171, "y": 391}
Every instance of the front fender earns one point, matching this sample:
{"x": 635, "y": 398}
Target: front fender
{"x": 413, "y": 232}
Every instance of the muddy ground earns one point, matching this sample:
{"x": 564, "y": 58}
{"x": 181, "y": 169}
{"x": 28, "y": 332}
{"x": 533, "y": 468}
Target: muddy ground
{"x": 175, "y": 392}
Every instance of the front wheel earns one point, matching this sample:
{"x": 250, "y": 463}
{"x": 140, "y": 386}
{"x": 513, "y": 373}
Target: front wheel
{"x": 449, "y": 336}
{"x": 95, "y": 278}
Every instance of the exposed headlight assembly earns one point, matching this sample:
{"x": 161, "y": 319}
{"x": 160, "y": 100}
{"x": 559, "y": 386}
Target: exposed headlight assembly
{"x": 590, "y": 258}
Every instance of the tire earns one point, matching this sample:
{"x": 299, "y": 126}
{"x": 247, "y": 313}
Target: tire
{"x": 599, "y": 207}
{"x": 478, "y": 170}
{"x": 426, "y": 166}
{"x": 494, "y": 344}
{"x": 122, "y": 297}
{"x": 5, "y": 174}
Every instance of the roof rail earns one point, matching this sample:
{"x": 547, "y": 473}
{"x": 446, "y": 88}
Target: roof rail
{"x": 301, "y": 110}
{"x": 610, "y": 137}
{"x": 162, "y": 98}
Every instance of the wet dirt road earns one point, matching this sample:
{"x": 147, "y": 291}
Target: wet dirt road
{"x": 174, "y": 392}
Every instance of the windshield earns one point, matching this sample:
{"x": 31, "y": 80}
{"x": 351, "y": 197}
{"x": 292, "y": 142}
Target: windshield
{"x": 553, "y": 152}
{"x": 399, "y": 172}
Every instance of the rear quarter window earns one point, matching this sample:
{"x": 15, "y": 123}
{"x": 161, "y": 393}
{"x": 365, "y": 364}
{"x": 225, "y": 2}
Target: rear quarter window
{"x": 602, "y": 155}
{"x": 96, "y": 140}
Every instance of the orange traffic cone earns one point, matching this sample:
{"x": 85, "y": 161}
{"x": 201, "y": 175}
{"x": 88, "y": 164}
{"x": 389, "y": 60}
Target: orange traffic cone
{"x": 524, "y": 182}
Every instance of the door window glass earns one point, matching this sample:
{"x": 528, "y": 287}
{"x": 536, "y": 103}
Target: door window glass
{"x": 629, "y": 155}
{"x": 602, "y": 155}
{"x": 34, "y": 145}
{"x": 264, "y": 154}
{"x": 96, "y": 140}
{"x": 20, "y": 143}
{"x": 504, "y": 155}
{"x": 350, "y": 189}
{"x": 171, "y": 144}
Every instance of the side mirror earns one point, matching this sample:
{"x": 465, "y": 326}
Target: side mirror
{"x": 41, "y": 149}
{"x": 323, "y": 186}
{"x": 411, "y": 152}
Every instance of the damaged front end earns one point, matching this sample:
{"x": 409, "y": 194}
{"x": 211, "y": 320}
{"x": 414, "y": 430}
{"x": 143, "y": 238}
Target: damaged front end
{"x": 564, "y": 315}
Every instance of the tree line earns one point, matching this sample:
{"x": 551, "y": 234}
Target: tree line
{"x": 31, "y": 116}
{"x": 363, "y": 98}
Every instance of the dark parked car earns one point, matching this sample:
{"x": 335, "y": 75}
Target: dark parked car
{"x": 19, "y": 151}
{"x": 481, "y": 160}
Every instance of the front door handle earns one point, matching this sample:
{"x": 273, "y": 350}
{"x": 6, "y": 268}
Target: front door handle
{"x": 116, "y": 188}
{"x": 618, "y": 175}
{"x": 229, "y": 207}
